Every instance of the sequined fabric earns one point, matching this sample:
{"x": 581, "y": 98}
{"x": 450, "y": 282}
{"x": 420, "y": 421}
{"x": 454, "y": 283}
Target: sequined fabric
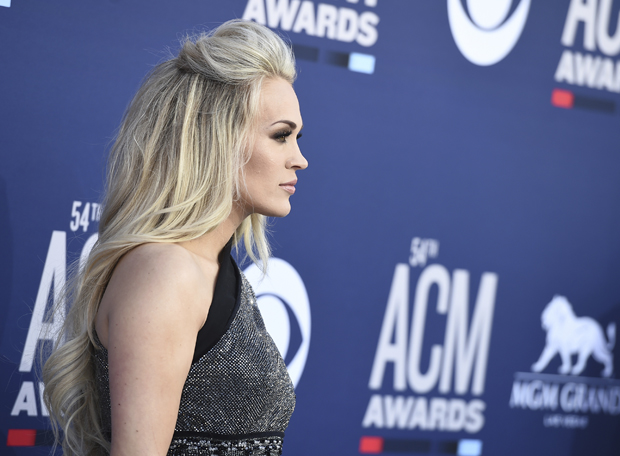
{"x": 253, "y": 446}
{"x": 239, "y": 388}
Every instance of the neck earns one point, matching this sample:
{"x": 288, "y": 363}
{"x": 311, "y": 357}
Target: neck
{"x": 209, "y": 245}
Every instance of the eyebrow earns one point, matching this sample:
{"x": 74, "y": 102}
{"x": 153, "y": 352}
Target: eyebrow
{"x": 290, "y": 123}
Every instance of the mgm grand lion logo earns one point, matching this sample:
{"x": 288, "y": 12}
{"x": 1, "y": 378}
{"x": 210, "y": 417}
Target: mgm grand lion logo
{"x": 569, "y": 335}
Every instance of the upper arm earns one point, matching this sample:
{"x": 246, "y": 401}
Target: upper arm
{"x": 153, "y": 315}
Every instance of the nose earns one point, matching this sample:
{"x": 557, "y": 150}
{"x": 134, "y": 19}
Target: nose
{"x": 298, "y": 161}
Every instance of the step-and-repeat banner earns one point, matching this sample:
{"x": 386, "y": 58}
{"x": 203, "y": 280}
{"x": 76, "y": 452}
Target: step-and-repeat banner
{"x": 448, "y": 281}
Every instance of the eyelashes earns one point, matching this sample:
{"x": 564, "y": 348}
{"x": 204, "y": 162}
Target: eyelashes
{"x": 281, "y": 136}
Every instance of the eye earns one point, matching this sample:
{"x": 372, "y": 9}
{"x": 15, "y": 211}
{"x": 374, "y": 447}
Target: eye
{"x": 281, "y": 136}
{"x": 299, "y": 135}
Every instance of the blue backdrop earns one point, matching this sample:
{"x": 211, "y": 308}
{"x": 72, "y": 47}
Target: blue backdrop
{"x": 462, "y": 197}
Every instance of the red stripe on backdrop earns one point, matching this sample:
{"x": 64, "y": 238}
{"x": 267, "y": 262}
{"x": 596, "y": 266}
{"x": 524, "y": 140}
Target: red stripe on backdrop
{"x": 371, "y": 445}
{"x": 562, "y": 98}
{"x": 21, "y": 437}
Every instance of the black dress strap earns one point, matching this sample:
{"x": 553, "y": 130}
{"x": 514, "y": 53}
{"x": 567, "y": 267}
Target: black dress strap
{"x": 223, "y": 306}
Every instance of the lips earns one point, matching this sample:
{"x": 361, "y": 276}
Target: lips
{"x": 289, "y": 186}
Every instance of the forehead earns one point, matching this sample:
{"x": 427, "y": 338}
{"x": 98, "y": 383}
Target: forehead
{"x": 278, "y": 101}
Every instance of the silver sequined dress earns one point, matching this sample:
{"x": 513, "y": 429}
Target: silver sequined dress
{"x": 237, "y": 399}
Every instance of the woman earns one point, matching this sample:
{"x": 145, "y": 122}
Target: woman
{"x": 165, "y": 351}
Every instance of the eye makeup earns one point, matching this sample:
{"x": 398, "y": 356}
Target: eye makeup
{"x": 283, "y": 134}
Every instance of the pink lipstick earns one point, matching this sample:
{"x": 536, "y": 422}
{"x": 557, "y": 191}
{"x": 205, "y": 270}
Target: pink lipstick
{"x": 289, "y": 186}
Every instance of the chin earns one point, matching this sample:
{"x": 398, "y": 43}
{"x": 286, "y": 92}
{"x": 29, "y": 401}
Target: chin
{"x": 281, "y": 211}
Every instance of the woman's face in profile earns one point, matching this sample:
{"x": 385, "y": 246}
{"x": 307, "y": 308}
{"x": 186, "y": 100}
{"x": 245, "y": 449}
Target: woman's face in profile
{"x": 270, "y": 173}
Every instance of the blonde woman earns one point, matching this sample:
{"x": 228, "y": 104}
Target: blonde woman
{"x": 164, "y": 348}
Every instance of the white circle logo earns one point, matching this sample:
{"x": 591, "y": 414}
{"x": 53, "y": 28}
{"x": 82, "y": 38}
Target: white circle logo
{"x": 284, "y": 305}
{"x": 489, "y": 35}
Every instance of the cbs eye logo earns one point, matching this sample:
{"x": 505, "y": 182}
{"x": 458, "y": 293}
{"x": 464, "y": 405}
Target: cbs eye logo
{"x": 283, "y": 302}
{"x": 488, "y": 33}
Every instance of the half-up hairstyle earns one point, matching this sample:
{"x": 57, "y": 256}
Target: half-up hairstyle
{"x": 174, "y": 173}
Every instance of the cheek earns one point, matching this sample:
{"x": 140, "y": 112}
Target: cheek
{"x": 256, "y": 172}
{"x": 261, "y": 164}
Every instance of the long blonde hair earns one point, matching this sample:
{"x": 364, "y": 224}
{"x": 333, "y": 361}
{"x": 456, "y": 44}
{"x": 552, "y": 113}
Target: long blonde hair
{"x": 174, "y": 173}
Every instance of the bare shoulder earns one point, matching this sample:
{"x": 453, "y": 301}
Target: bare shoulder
{"x": 161, "y": 283}
{"x": 169, "y": 262}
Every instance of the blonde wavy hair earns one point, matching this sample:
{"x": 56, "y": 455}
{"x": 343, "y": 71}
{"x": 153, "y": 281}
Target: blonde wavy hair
{"x": 174, "y": 173}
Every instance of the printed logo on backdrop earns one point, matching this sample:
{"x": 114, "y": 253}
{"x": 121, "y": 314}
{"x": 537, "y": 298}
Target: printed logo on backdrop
{"x": 568, "y": 398}
{"x": 344, "y": 21}
{"x": 283, "y": 302}
{"x": 488, "y": 34}
{"x": 6, "y": 3}
{"x": 446, "y": 393}
{"x": 591, "y": 63}
{"x": 83, "y": 221}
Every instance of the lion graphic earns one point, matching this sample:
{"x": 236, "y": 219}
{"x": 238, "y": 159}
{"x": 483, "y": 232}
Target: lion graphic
{"x": 568, "y": 334}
